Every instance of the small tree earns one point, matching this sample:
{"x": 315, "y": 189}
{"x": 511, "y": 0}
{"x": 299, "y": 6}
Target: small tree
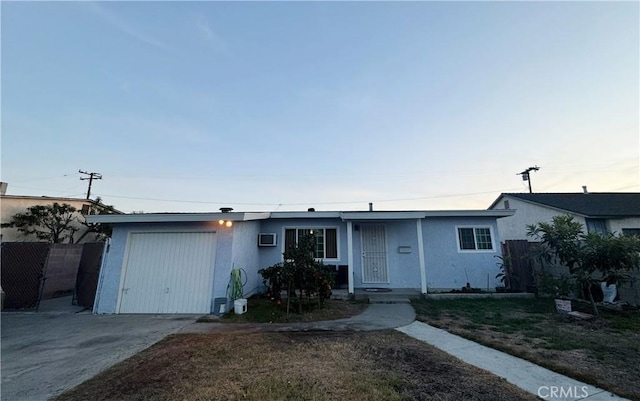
{"x": 54, "y": 223}
{"x": 300, "y": 275}
{"x": 59, "y": 222}
{"x": 101, "y": 230}
{"x": 591, "y": 257}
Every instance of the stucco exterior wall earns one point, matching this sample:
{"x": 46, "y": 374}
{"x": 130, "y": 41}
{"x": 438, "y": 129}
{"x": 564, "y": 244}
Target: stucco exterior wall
{"x": 245, "y": 253}
{"x": 110, "y": 273}
{"x": 616, "y": 225}
{"x": 515, "y": 227}
{"x": 449, "y": 268}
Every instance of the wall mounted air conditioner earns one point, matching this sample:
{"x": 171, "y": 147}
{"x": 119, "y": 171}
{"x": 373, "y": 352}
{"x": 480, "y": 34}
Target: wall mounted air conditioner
{"x": 267, "y": 239}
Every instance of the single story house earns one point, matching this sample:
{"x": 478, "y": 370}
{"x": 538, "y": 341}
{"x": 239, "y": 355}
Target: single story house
{"x": 181, "y": 262}
{"x": 602, "y": 212}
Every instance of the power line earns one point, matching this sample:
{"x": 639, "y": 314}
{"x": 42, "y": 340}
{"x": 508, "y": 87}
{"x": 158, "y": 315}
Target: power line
{"x": 306, "y": 203}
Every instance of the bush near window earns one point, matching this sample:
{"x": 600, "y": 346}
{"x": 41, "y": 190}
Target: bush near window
{"x": 306, "y": 281}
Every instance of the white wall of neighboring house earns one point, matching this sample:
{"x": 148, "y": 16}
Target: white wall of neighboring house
{"x": 616, "y": 225}
{"x": 11, "y": 205}
{"x": 515, "y": 227}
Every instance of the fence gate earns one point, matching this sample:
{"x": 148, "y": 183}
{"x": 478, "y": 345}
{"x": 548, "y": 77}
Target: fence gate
{"x": 88, "y": 273}
{"x": 61, "y": 270}
{"x": 518, "y": 253}
{"x": 22, "y": 265}
{"x": 32, "y": 271}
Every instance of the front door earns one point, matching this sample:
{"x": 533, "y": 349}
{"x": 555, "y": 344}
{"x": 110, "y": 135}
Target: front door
{"x": 374, "y": 254}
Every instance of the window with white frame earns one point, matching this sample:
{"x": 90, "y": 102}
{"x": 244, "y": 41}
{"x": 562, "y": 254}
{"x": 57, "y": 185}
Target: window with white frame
{"x": 475, "y": 239}
{"x": 325, "y": 240}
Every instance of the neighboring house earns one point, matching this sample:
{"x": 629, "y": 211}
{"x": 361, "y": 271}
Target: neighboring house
{"x": 181, "y": 263}
{"x": 13, "y": 204}
{"x": 602, "y": 212}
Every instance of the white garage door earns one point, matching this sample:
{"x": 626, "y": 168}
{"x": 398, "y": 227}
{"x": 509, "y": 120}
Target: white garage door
{"x": 168, "y": 273}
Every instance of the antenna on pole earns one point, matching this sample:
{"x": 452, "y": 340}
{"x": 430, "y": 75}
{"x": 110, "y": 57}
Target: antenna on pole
{"x": 92, "y": 176}
{"x": 527, "y": 177}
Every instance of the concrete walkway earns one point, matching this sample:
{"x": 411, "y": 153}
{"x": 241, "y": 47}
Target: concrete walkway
{"x": 524, "y": 374}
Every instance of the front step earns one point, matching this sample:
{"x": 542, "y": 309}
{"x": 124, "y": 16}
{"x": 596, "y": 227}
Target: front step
{"x": 395, "y": 296}
{"x": 341, "y": 295}
{"x": 388, "y": 299}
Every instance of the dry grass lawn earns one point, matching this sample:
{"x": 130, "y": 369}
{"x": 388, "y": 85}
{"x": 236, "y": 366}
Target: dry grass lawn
{"x": 604, "y": 352}
{"x": 383, "y": 365}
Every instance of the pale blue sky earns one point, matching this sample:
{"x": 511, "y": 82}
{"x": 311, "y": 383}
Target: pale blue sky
{"x": 285, "y": 105}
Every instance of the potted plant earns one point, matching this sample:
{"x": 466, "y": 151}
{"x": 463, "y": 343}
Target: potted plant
{"x": 235, "y": 290}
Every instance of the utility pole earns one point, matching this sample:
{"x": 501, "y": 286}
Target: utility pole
{"x": 92, "y": 176}
{"x": 527, "y": 177}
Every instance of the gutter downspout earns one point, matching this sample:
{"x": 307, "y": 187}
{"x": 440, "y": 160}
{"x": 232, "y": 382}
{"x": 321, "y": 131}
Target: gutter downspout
{"x": 350, "y": 256}
{"x": 423, "y": 269}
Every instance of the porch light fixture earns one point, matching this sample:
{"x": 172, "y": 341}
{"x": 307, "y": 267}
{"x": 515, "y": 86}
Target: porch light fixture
{"x": 227, "y": 223}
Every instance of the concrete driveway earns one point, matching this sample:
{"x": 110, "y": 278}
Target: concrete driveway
{"x": 45, "y": 353}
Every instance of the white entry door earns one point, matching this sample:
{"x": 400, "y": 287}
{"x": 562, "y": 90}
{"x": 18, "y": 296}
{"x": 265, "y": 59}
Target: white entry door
{"x": 168, "y": 273}
{"x": 374, "y": 253}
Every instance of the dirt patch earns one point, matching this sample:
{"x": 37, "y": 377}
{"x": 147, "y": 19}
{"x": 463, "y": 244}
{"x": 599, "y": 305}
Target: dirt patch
{"x": 262, "y": 310}
{"x": 383, "y": 365}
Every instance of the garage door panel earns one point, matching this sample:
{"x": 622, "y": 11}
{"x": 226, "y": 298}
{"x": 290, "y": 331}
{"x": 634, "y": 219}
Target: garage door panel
{"x": 198, "y": 281}
{"x": 168, "y": 273}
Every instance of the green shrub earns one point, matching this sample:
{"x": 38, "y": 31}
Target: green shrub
{"x": 306, "y": 281}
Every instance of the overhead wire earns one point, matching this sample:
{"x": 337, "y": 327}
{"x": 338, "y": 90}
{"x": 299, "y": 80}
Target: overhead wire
{"x": 279, "y": 204}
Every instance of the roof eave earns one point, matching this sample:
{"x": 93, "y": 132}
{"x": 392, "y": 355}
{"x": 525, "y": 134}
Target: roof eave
{"x": 242, "y": 216}
{"x": 174, "y": 217}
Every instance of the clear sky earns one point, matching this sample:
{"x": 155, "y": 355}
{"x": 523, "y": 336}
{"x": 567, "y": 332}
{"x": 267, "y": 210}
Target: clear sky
{"x": 289, "y": 105}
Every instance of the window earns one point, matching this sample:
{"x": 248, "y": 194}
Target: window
{"x": 597, "y": 226}
{"x": 326, "y": 240}
{"x": 631, "y": 231}
{"x": 474, "y": 239}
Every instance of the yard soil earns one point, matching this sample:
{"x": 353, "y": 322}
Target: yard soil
{"x": 382, "y": 365}
{"x": 262, "y": 310}
{"x": 588, "y": 350}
